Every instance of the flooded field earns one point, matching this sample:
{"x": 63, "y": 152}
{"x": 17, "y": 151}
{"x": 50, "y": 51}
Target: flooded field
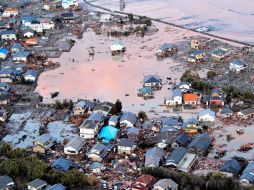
{"x": 109, "y": 78}
{"x": 228, "y": 18}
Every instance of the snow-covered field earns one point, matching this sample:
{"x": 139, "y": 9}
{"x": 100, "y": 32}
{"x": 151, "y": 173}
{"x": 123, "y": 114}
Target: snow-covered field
{"x": 229, "y": 18}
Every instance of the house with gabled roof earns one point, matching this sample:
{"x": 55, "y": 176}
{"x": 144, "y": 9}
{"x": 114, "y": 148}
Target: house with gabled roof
{"x": 225, "y": 112}
{"x": 83, "y": 106}
{"x": 206, "y": 115}
{"x": 128, "y": 119}
{"x": 146, "y": 92}
{"x": 43, "y": 143}
{"x": 246, "y": 113}
{"x": 218, "y": 54}
{"x": 126, "y": 145}
{"x": 181, "y": 140}
{"x": 163, "y": 139}
{"x": 153, "y": 81}
{"x": 74, "y": 145}
{"x": 21, "y": 56}
{"x": 28, "y": 33}
{"x": 231, "y": 168}
{"x": 16, "y": 47}
{"x": 37, "y": 184}
{"x": 217, "y": 99}
{"x": 66, "y": 4}
{"x": 6, "y": 182}
{"x": 237, "y": 65}
{"x": 190, "y": 100}
{"x": 247, "y": 176}
{"x": 61, "y": 164}
{"x": 3, "y": 53}
{"x": 144, "y": 182}
{"x": 57, "y": 186}
{"x": 176, "y": 99}
{"x": 10, "y": 12}
{"x": 30, "y": 75}
{"x": 165, "y": 184}
{"x": 99, "y": 151}
{"x": 8, "y": 35}
{"x": 200, "y": 144}
{"x": 153, "y": 157}
{"x": 166, "y": 49}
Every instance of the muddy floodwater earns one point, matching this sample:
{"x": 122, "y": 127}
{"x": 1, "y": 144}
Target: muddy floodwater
{"x": 109, "y": 78}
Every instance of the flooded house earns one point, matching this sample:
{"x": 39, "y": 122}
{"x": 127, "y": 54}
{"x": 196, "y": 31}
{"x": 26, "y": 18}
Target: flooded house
{"x": 143, "y": 182}
{"x": 247, "y": 176}
{"x": 30, "y": 75}
{"x": 126, "y": 145}
{"x": 99, "y": 151}
{"x": 133, "y": 133}
{"x": 91, "y": 126}
{"x": 237, "y": 65}
{"x": 218, "y": 54}
{"x": 128, "y": 119}
{"x": 146, "y": 92}
{"x": 68, "y": 17}
{"x": 3, "y": 115}
{"x": 113, "y": 120}
{"x": 83, "y": 106}
{"x": 225, "y": 112}
{"x": 191, "y": 126}
{"x": 200, "y": 144}
{"x": 163, "y": 139}
{"x": 74, "y": 146}
{"x": 206, "y": 115}
{"x": 165, "y": 184}
{"x": 153, "y": 157}
{"x": 231, "y": 168}
{"x": 190, "y": 100}
{"x": 57, "y": 186}
{"x": 153, "y": 81}
{"x": 198, "y": 43}
{"x": 6, "y": 182}
{"x": 7, "y": 75}
{"x": 3, "y": 53}
{"x": 103, "y": 108}
{"x": 21, "y": 56}
{"x": 246, "y": 113}
{"x": 10, "y": 12}
{"x": 181, "y": 159}
{"x": 43, "y": 143}
{"x": 117, "y": 47}
{"x": 176, "y": 99}
{"x": 196, "y": 56}
{"x": 96, "y": 167}
{"x": 216, "y": 99}
{"x": 166, "y": 49}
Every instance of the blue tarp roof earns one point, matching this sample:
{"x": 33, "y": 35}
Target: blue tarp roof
{"x": 61, "y": 164}
{"x": 4, "y": 51}
{"x": 108, "y": 133}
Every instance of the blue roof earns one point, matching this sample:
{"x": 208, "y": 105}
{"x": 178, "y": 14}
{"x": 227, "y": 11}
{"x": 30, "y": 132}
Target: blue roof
{"x": 129, "y": 117}
{"x": 237, "y": 62}
{"x": 177, "y": 155}
{"x": 231, "y": 166}
{"x": 28, "y": 18}
{"x": 16, "y": 46}
{"x": 168, "y": 129}
{"x": 62, "y": 164}
{"x": 152, "y": 79}
{"x": 177, "y": 92}
{"x": 201, "y": 141}
{"x": 226, "y": 111}
{"x": 114, "y": 118}
{"x": 145, "y": 90}
{"x": 133, "y": 130}
{"x": 168, "y": 121}
{"x": 58, "y": 186}
{"x": 197, "y": 52}
{"x": 182, "y": 139}
{"x": 97, "y": 117}
{"x": 108, "y": 133}
{"x": 8, "y": 32}
{"x": 4, "y": 51}
{"x": 95, "y": 165}
{"x": 167, "y": 46}
{"x": 21, "y": 54}
{"x": 31, "y": 72}
{"x": 248, "y": 172}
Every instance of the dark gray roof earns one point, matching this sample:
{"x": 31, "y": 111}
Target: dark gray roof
{"x": 114, "y": 118}
{"x": 165, "y": 183}
{"x": 37, "y": 183}
{"x": 182, "y": 139}
{"x": 58, "y": 186}
{"x": 133, "y": 130}
{"x": 5, "y": 180}
{"x": 231, "y": 166}
{"x": 152, "y": 79}
{"x": 131, "y": 117}
{"x": 168, "y": 121}
{"x": 77, "y": 143}
{"x": 201, "y": 142}
{"x": 97, "y": 117}
{"x": 226, "y": 111}
{"x": 177, "y": 155}
{"x": 247, "y": 111}
{"x": 127, "y": 142}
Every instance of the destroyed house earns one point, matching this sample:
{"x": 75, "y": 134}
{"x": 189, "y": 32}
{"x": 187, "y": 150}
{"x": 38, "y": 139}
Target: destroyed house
{"x": 99, "y": 151}
{"x": 153, "y": 157}
{"x": 248, "y": 174}
{"x": 184, "y": 86}
{"x": 166, "y": 49}
{"x": 74, "y": 145}
{"x": 225, "y": 112}
{"x": 83, "y": 106}
{"x": 8, "y": 35}
{"x": 128, "y": 119}
{"x": 144, "y": 182}
{"x": 217, "y": 99}
{"x": 104, "y": 108}
{"x": 61, "y": 164}
{"x": 170, "y": 122}
{"x": 246, "y": 113}
{"x": 113, "y": 120}
{"x": 191, "y": 126}
{"x": 163, "y": 139}
{"x": 7, "y": 75}
{"x": 3, "y": 53}
{"x": 43, "y": 143}
{"x": 200, "y": 144}
{"x": 237, "y": 65}
{"x": 231, "y": 167}
{"x": 180, "y": 141}
{"x": 117, "y": 47}
{"x": 68, "y": 17}
{"x": 218, "y": 54}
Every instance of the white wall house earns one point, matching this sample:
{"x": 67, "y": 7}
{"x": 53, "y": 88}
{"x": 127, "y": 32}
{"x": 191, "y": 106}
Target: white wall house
{"x": 74, "y": 145}
{"x": 9, "y": 12}
{"x": 237, "y": 65}
{"x": 206, "y": 116}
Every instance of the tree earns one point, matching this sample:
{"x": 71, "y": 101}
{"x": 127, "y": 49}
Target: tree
{"x": 4, "y": 148}
{"x": 130, "y": 16}
{"x": 189, "y": 76}
{"x": 142, "y": 115}
{"x": 118, "y": 106}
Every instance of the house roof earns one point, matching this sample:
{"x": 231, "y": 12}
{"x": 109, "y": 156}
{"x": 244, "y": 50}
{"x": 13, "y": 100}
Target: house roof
{"x": 96, "y": 117}
{"x": 166, "y": 46}
{"x": 129, "y": 116}
{"x": 226, "y": 111}
{"x": 231, "y": 166}
{"x": 201, "y": 141}
{"x": 21, "y": 54}
{"x": 219, "y": 52}
{"x": 114, "y": 118}
{"x": 168, "y": 129}
{"x": 126, "y": 142}
{"x": 6, "y": 71}
{"x": 247, "y": 111}
{"x": 95, "y": 165}
{"x": 58, "y": 186}
{"x": 248, "y": 172}
{"x": 163, "y": 137}
{"x": 85, "y": 103}
{"x": 76, "y": 143}
{"x": 205, "y": 112}
{"x": 4, "y": 51}
{"x": 154, "y": 152}
{"x": 177, "y": 155}
{"x": 169, "y": 121}
{"x": 237, "y": 62}
{"x": 16, "y": 46}
{"x": 216, "y": 91}
{"x": 145, "y": 90}
{"x": 165, "y": 183}
{"x": 182, "y": 139}
{"x": 37, "y": 183}
{"x": 197, "y": 52}
{"x": 67, "y": 15}
{"x": 190, "y": 97}
{"x": 145, "y": 179}
{"x": 133, "y": 130}
{"x": 61, "y": 164}
{"x": 152, "y": 79}
{"x": 44, "y": 138}
{"x": 98, "y": 147}
{"x": 183, "y": 83}
{"x": 8, "y": 32}
{"x": 177, "y": 92}
{"x": 28, "y": 30}
{"x": 5, "y": 180}
{"x": 31, "y": 73}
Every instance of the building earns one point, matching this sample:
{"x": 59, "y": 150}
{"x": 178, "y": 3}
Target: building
{"x": 7, "y": 75}
{"x": 117, "y": 47}
{"x": 184, "y": 86}
{"x": 37, "y": 184}
{"x": 3, "y": 115}
{"x": 3, "y": 53}
{"x": 61, "y": 164}
{"x": 10, "y": 12}
{"x": 28, "y": 33}
{"x": 108, "y": 134}
{"x": 6, "y": 183}
{"x": 133, "y": 133}
{"x": 218, "y": 54}
{"x": 196, "y": 56}
{"x": 144, "y": 182}
{"x": 91, "y": 126}
{"x": 166, "y": 49}
{"x": 21, "y": 56}
{"x": 8, "y": 35}
{"x": 248, "y": 174}
{"x": 191, "y": 126}
{"x": 146, "y": 92}
{"x": 225, "y": 112}
{"x": 165, "y": 184}
{"x": 31, "y": 41}
{"x": 16, "y": 47}
{"x": 74, "y": 145}
{"x": 126, "y": 146}
{"x": 206, "y": 115}
{"x": 96, "y": 167}
{"x": 163, "y": 139}
{"x": 231, "y": 168}
{"x": 128, "y": 119}
{"x": 153, "y": 157}
{"x": 246, "y": 113}
{"x": 103, "y": 108}
{"x": 30, "y": 75}
{"x": 57, "y": 186}
{"x": 43, "y": 143}
{"x": 83, "y": 106}
{"x": 170, "y": 122}
{"x": 176, "y": 99}
{"x": 66, "y": 4}
{"x": 200, "y": 144}
{"x": 197, "y": 43}
{"x": 153, "y": 81}
{"x": 113, "y": 120}
{"x": 237, "y": 65}
{"x": 181, "y": 140}
{"x": 217, "y": 99}
{"x": 68, "y": 17}
{"x": 99, "y": 151}
{"x": 190, "y": 100}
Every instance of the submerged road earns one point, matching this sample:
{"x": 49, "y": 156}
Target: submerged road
{"x": 172, "y": 24}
